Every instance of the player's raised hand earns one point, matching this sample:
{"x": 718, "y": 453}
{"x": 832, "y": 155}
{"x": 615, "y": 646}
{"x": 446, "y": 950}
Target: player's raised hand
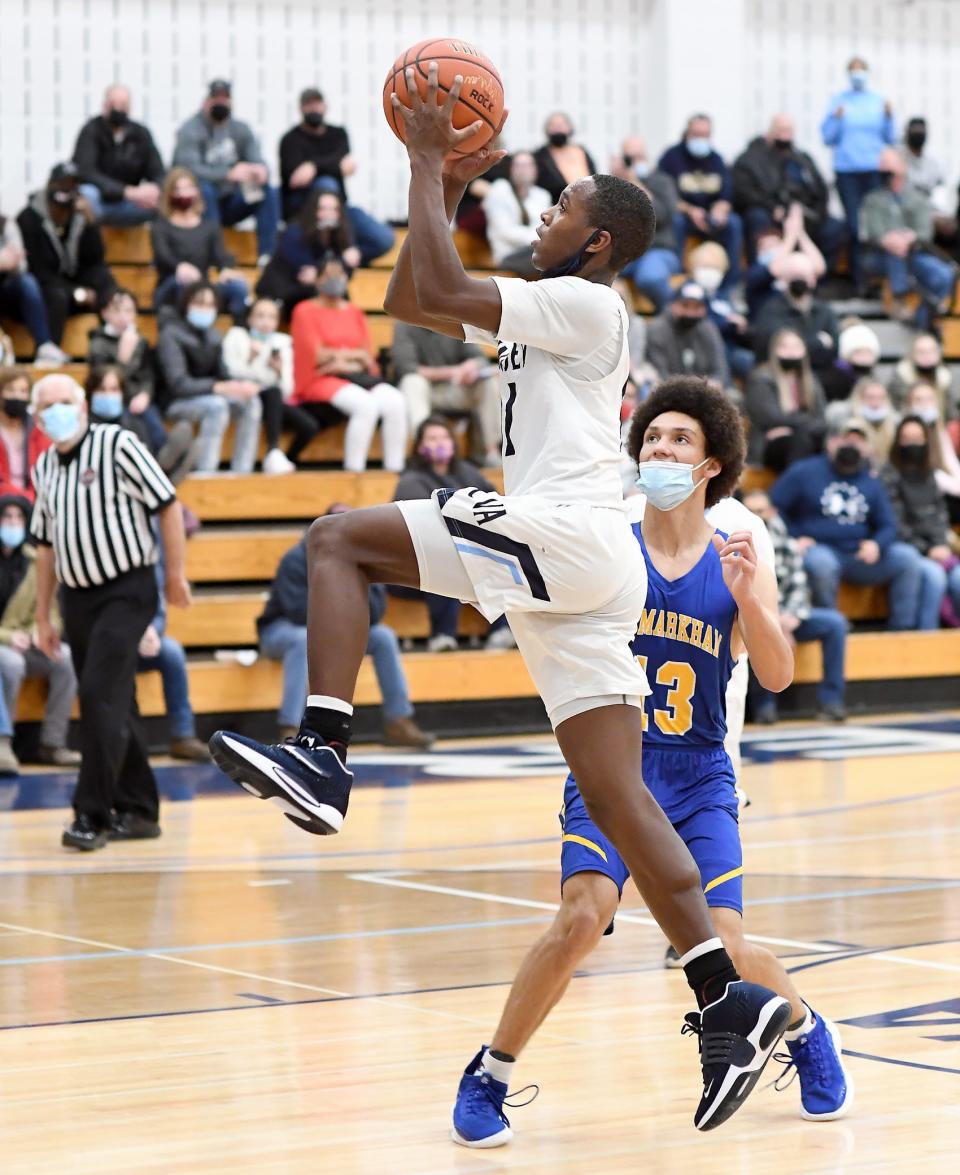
{"x": 428, "y": 122}
{"x": 738, "y": 562}
{"x": 464, "y": 169}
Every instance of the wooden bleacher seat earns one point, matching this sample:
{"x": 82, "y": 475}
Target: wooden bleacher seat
{"x": 242, "y": 554}
{"x": 141, "y": 281}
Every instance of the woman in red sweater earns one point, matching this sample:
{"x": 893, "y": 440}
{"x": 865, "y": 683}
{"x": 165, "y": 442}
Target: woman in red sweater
{"x": 333, "y": 365}
{"x": 21, "y": 438}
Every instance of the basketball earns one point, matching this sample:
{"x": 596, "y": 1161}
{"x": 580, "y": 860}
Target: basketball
{"x": 481, "y": 95}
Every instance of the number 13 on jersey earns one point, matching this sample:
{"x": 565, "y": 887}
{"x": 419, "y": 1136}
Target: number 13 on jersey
{"x": 681, "y": 682}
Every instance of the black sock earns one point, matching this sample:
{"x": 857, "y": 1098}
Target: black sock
{"x": 333, "y": 726}
{"x": 708, "y": 975}
{"x": 502, "y": 1056}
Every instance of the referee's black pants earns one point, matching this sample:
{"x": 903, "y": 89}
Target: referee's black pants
{"x": 103, "y": 626}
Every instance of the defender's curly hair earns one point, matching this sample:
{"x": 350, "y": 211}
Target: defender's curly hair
{"x": 712, "y": 410}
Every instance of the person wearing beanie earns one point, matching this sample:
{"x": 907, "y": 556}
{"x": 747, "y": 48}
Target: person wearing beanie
{"x": 858, "y": 353}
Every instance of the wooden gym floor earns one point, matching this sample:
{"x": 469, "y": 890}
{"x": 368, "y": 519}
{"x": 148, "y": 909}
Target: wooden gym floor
{"x": 241, "y": 997}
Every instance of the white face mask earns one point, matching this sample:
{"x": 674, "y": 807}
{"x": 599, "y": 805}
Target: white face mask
{"x": 709, "y": 277}
{"x": 667, "y": 484}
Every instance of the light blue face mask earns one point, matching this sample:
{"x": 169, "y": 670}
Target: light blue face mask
{"x": 12, "y": 534}
{"x": 259, "y": 336}
{"x": 858, "y": 78}
{"x": 107, "y": 405}
{"x": 767, "y": 257}
{"x": 699, "y": 147}
{"x": 202, "y": 317}
{"x": 874, "y": 415}
{"x": 667, "y": 484}
{"x": 641, "y": 169}
{"x": 61, "y": 422}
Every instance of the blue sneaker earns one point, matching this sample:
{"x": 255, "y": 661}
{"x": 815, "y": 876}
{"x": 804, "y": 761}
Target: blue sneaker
{"x": 826, "y": 1090}
{"x": 478, "y": 1117}
{"x": 303, "y": 776}
{"x": 737, "y": 1032}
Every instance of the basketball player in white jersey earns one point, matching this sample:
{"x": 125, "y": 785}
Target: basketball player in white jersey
{"x": 555, "y": 554}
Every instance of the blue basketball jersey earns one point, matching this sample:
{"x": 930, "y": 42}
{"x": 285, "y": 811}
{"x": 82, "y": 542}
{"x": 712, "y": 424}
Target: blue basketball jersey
{"x": 683, "y": 645}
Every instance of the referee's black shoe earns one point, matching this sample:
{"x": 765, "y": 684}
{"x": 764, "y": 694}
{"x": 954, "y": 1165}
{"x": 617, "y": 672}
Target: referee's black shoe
{"x": 84, "y": 835}
{"x": 738, "y": 1034}
{"x": 302, "y": 776}
{"x": 130, "y": 826}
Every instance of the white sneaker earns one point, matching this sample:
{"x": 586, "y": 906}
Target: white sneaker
{"x": 442, "y": 643}
{"x": 50, "y": 355}
{"x": 277, "y": 462}
{"x": 501, "y": 638}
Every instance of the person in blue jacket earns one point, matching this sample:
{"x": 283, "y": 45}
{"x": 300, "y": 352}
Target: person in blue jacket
{"x": 858, "y": 125}
{"x": 839, "y": 512}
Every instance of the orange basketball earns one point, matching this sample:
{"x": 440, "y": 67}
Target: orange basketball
{"x": 481, "y": 94}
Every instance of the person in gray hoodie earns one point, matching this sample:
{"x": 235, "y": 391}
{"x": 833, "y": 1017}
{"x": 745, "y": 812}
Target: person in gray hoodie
{"x": 224, "y": 155}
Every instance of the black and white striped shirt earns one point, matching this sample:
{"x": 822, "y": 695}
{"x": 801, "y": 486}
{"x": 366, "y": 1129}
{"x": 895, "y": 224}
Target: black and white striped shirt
{"x": 94, "y": 505}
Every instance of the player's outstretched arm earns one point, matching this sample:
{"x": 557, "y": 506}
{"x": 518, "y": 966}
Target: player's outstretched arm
{"x": 443, "y": 288}
{"x": 754, "y": 588}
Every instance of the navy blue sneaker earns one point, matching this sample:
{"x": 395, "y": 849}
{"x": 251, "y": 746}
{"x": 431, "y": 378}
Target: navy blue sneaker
{"x": 302, "y": 776}
{"x": 826, "y": 1089}
{"x": 738, "y": 1032}
{"x": 478, "y": 1117}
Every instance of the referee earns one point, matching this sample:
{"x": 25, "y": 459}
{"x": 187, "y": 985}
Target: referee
{"x": 97, "y": 488}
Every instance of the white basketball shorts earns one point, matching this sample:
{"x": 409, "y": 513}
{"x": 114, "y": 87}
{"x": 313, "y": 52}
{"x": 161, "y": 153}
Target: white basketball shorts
{"x": 570, "y": 579}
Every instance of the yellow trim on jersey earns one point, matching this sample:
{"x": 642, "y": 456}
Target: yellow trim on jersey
{"x": 721, "y": 879}
{"x": 582, "y": 840}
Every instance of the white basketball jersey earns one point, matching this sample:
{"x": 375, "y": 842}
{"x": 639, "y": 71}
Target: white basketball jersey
{"x": 563, "y": 356}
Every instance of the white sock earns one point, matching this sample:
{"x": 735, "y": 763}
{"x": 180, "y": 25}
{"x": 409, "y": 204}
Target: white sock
{"x": 322, "y": 702}
{"x": 498, "y": 1070}
{"x": 703, "y": 948}
{"x": 807, "y": 1026}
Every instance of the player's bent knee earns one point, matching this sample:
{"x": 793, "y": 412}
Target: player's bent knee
{"x": 589, "y": 903}
{"x": 327, "y": 537}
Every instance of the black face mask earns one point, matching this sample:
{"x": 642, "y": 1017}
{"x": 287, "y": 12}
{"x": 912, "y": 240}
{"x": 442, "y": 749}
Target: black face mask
{"x": 627, "y": 160}
{"x": 797, "y": 287}
{"x": 886, "y": 178}
{"x": 791, "y": 364}
{"x": 220, "y": 111}
{"x": 848, "y": 459}
{"x": 118, "y": 118}
{"x": 558, "y": 139}
{"x": 574, "y": 263}
{"x": 313, "y": 119}
{"x": 14, "y": 408}
{"x": 686, "y": 321}
{"x": 63, "y": 199}
{"x": 916, "y": 139}
{"x": 925, "y": 369}
{"x": 861, "y": 368}
{"x": 783, "y": 144}
{"x": 913, "y": 456}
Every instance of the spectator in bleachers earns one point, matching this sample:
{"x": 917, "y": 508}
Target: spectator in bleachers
{"x": 924, "y": 363}
{"x": 117, "y": 342}
{"x": 795, "y": 304}
{"x": 334, "y": 366}
{"x": 187, "y": 247}
{"x": 437, "y": 373}
{"x": 870, "y": 403}
{"x": 64, "y": 250}
{"x": 224, "y": 155}
{"x": 20, "y": 658}
{"x": 800, "y": 621}
{"x": 21, "y": 441}
{"x": 283, "y": 637}
{"x": 434, "y": 465}
{"x": 315, "y": 157}
{"x": 896, "y": 232}
{"x": 21, "y": 297}
{"x": 262, "y": 353}
{"x": 708, "y": 267}
{"x": 559, "y": 160}
{"x": 512, "y": 208}
{"x": 706, "y": 191}
{"x": 773, "y": 247}
{"x": 858, "y": 353}
{"x": 858, "y": 125}
{"x": 199, "y": 387}
{"x": 119, "y": 164}
{"x": 642, "y": 373}
{"x": 927, "y": 176}
{"x": 470, "y": 216}
{"x": 841, "y": 516}
{"x": 772, "y": 176}
{"x": 319, "y": 230}
{"x": 652, "y": 272}
{"x": 110, "y": 403}
{"x": 9, "y": 763}
{"x": 784, "y": 403}
{"x": 927, "y": 402}
{"x": 922, "y": 518}
{"x": 683, "y": 341}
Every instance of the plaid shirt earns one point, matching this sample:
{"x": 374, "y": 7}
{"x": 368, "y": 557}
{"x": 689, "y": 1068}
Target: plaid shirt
{"x": 792, "y": 586}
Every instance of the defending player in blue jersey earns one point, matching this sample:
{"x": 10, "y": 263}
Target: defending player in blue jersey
{"x": 708, "y": 598}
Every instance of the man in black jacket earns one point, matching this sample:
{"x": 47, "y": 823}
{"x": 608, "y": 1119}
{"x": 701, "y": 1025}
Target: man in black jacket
{"x": 794, "y": 305}
{"x": 774, "y": 173}
{"x": 119, "y": 164}
{"x": 64, "y": 249}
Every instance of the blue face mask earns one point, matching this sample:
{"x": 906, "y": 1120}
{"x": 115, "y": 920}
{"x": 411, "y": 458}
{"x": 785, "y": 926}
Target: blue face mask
{"x": 699, "y": 147}
{"x": 12, "y": 534}
{"x": 61, "y": 422}
{"x": 767, "y": 257}
{"x": 667, "y": 484}
{"x": 858, "y": 78}
{"x": 575, "y": 263}
{"x": 202, "y": 317}
{"x": 641, "y": 169}
{"x": 107, "y": 405}
{"x": 259, "y": 336}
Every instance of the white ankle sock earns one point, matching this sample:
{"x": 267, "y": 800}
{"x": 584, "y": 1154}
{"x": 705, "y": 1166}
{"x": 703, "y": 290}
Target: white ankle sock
{"x": 807, "y": 1026}
{"x": 498, "y": 1070}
